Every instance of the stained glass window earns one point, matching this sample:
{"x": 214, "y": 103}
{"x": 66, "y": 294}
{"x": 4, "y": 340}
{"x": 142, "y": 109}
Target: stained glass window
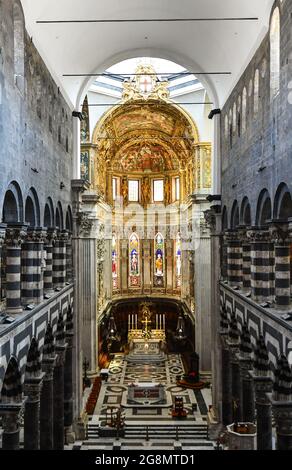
{"x": 115, "y": 262}
{"x": 178, "y": 260}
{"x": 159, "y": 260}
{"x": 134, "y": 260}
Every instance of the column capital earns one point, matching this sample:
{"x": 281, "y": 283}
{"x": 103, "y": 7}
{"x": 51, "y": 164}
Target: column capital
{"x": 2, "y": 233}
{"x": 10, "y": 413}
{"x": 282, "y": 411}
{"x": 61, "y": 352}
{"x": 51, "y": 235}
{"x": 35, "y": 234}
{"x": 32, "y": 388}
{"x": 258, "y": 234}
{"x": 49, "y": 363}
{"x": 279, "y": 232}
{"x": 263, "y": 385}
{"x": 231, "y": 236}
{"x": 63, "y": 236}
{"x": 15, "y": 234}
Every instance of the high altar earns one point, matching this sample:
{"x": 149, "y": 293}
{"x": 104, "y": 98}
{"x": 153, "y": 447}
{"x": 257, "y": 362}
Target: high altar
{"x": 146, "y": 344}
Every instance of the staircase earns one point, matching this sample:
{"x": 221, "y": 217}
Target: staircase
{"x": 155, "y": 436}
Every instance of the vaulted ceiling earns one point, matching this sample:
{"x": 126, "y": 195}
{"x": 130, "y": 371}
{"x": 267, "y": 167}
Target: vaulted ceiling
{"x": 85, "y": 48}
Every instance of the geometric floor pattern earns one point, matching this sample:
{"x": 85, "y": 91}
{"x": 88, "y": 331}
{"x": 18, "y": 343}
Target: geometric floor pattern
{"x": 137, "y": 419}
{"x": 122, "y": 373}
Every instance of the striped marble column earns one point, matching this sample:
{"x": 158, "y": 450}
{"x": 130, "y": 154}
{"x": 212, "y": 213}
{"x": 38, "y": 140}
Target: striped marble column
{"x": 48, "y": 273}
{"x": 280, "y": 237}
{"x": 69, "y": 259}
{"x": 234, "y": 258}
{"x": 58, "y": 401}
{"x": 263, "y": 384}
{"x": 247, "y": 398}
{"x": 31, "y": 267}
{"x": 246, "y": 263}
{"x": 15, "y": 234}
{"x": 261, "y": 264}
{"x": 47, "y": 401}
{"x": 59, "y": 260}
{"x": 2, "y": 240}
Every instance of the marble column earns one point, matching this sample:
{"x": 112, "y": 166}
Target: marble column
{"x": 46, "y": 404}
{"x": 234, "y": 258}
{"x": 226, "y": 387}
{"x": 31, "y": 261}
{"x": 59, "y": 260}
{"x": 48, "y": 274}
{"x": 10, "y": 413}
{"x": 246, "y": 263}
{"x": 263, "y": 385}
{"x": 58, "y": 401}
{"x": 261, "y": 264}
{"x": 32, "y": 390}
{"x": 281, "y": 400}
{"x": 68, "y": 379}
{"x": 247, "y": 398}
{"x": 69, "y": 270}
{"x": 233, "y": 345}
{"x": 280, "y": 237}
{"x": 2, "y": 239}
{"x": 15, "y": 234}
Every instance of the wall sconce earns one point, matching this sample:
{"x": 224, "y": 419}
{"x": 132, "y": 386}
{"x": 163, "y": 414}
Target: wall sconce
{"x": 62, "y": 186}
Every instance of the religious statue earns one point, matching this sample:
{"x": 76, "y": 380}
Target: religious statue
{"x": 167, "y": 195}
{"x": 146, "y": 191}
{"x": 124, "y": 188}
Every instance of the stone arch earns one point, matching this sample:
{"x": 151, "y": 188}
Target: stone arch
{"x": 264, "y": 208}
{"x": 49, "y": 217}
{"x": 234, "y": 219}
{"x": 69, "y": 219}
{"x": 245, "y": 212}
{"x": 12, "y": 388}
{"x": 59, "y": 216}
{"x": 282, "y": 203}
{"x": 13, "y": 204}
{"x": 32, "y": 209}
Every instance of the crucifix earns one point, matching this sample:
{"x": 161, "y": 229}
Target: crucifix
{"x": 145, "y": 84}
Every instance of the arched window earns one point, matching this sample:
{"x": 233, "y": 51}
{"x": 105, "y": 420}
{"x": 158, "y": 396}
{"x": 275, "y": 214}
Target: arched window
{"x": 230, "y": 128}
{"x": 239, "y": 116}
{"x": 256, "y": 92}
{"x": 134, "y": 260}
{"x": 18, "y": 26}
{"x": 244, "y": 110}
{"x": 159, "y": 260}
{"x": 115, "y": 276}
{"x": 275, "y": 53}
{"x": 178, "y": 261}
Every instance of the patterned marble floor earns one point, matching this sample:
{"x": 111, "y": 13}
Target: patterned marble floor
{"x": 122, "y": 373}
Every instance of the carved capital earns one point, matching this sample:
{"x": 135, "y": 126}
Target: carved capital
{"x": 33, "y": 387}
{"x": 255, "y": 235}
{"x": 35, "y": 235}
{"x": 48, "y": 367}
{"x": 85, "y": 223}
{"x": 210, "y": 219}
{"x": 15, "y": 235}
{"x": 279, "y": 233}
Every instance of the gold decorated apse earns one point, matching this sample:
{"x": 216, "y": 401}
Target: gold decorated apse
{"x": 146, "y": 139}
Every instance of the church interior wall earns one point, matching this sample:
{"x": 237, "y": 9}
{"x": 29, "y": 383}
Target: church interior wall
{"x": 260, "y": 157}
{"x": 35, "y": 120}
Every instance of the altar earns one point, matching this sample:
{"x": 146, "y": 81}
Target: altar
{"x": 145, "y": 344}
